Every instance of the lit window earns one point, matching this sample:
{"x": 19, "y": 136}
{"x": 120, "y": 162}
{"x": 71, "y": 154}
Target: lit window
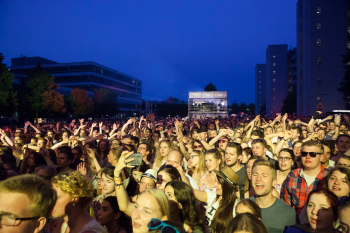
{"x": 318, "y": 10}
{"x": 319, "y": 42}
{"x": 274, "y": 72}
{"x": 259, "y": 71}
{"x": 259, "y": 87}
{"x": 273, "y": 98}
{"x": 273, "y": 80}
{"x": 318, "y": 26}
{"x": 319, "y": 61}
{"x": 259, "y": 81}
{"x": 274, "y": 56}
{"x": 274, "y": 89}
{"x": 273, "y": 64}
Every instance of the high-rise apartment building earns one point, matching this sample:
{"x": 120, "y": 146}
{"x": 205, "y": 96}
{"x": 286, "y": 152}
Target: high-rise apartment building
{"x": 85, "y": 75}
{"x": 276, "y": 77}
{"x": 323, "y": 35}
{"x": 260, "y": 87}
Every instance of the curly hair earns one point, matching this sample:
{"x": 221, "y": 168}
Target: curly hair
{"x": 76, "y": 185}
{"x": 159, "y": 158}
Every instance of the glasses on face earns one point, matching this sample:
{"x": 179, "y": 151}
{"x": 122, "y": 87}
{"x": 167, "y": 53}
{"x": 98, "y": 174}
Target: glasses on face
{"x": 342, "y": 165}
{"x": 312, "y": 154}
{"x": 11, "y": 220}
{"x": 223, "y": 141}
{"x": 199, "y": 146}
{"x": 287, "y": 159}
{"x": 165, "y": 228}
{"x": 141, "y": 148}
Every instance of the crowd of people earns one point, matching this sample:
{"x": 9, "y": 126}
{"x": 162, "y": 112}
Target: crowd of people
{"x": 220, "y": 175}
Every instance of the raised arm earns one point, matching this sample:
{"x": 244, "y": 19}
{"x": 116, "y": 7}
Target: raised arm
{"x": 122, "y": 196}
{"x": 91, "y": 154}
{"x": 337, "y": 125}
{"x": 92, "y": 128}
{"x": 36, "y": 129}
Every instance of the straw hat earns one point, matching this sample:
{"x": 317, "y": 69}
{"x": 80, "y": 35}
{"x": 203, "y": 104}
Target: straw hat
{"x": 228, "y": 175}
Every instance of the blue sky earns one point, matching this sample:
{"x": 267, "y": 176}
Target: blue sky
{"x": 172, "y": 46}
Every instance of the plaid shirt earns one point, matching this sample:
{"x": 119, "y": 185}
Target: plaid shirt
{"x": 294, "y": 191}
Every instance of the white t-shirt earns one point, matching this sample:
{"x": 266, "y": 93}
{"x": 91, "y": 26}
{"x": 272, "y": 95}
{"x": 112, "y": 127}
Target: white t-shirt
{"x": 309, "y": 179}
{"x": 212, "y": 207}
{"x": 192, "y": 182}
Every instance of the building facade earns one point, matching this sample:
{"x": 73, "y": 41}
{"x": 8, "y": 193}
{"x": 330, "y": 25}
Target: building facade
{"x": 260, "y": 87}
{"x": 88, "y": 76}
{"x": 322, "y": 38}
{"x": 276, "y": 77}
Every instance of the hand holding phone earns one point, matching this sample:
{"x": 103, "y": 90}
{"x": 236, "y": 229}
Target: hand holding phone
{"x": 137, "y": 159}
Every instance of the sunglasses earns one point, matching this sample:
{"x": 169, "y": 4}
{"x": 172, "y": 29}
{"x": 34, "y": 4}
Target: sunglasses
{"x": 165, "y": 228}
{"x": 223, "y": 141}
{"x": 199, "y": 146}
{"x": 312, "y": 154}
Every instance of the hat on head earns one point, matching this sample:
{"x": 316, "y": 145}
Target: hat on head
{"x": 150, "y": 173}
{"x": 228, "y": 175}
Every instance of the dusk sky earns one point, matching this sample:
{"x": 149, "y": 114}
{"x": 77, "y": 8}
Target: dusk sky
{"x": 173, "y": 46}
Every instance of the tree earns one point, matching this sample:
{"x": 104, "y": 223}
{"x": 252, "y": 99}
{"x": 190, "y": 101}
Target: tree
{"x": 42, "y": 97}
{"x": 53, "y": 101}
{"x": 345, "y": 84}
{"x": 8, "y": 97}
{"x": 210, "y": 87}
{"x": 290, "y": 103}
{"x": 106, "y": 102}
{"x": 251, "y": 108}
{"x": 80, "y": 102}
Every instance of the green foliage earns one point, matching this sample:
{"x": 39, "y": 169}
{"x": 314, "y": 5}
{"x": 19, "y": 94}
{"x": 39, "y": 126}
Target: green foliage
{"x": 210, "y": 87}
{"x": 289, "y": 103}
{"x": 8, "y": 97}
{"x": 105, "y": 102}
{"x": 345, "y": 84}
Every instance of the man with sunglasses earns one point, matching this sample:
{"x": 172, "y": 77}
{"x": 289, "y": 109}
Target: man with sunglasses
{"x": 26, "y": 203}
{"x": 300, "y": 182}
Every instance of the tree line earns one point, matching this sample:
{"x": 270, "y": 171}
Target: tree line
{"x": 36, "y": 96}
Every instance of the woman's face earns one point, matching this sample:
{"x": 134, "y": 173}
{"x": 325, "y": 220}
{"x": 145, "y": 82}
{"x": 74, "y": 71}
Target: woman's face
{"x": 165, "y": 179}
{"x": 198, "y": 146}
{"x": 146, "y": 208}
{"x": 164, "y": 149}
{"x": 212, "y": 163}
{"x": 249, "y": 168}
{"x": 218, "y": 187}
{"x": 108, "y": 186}
{"x": 338, "y": 183}
{"x": 297, "y": 149}
{"x": 99, "y": 180}
{"x": 245, "y": 157}
{"x": 223, "y": 143}
{"x": 136, "y": 175}
{"x": 319, "y": 212}
{"x": 169, "y": 192}
{"x": 285, "y": 161}
{"x": 63, "y": 199}
{"x": 106, "y": 215}
{"x": 193, "y": 161}
{"x": 103, "y": 146}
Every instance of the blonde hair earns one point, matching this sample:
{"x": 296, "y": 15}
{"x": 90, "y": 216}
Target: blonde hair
{"x": 76, "y": 185}
{"x": 159, "y": 158}
{"x": 262, "y": 162}
{"x": 162, "y": 201}
{"x": 39, "y": 192}
{"x": 200, "y": 169}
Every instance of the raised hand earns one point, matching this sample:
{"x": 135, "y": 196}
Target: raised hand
{"x": 81, "y": 168}
{"x": 129, "y": 121}
{"x": 93, "y": 125}
{"x": 90, "y": 153}
{"x": 330, "y": 117}
{"x": 285, "y": 116}
{"x": 81, "y": 121}
{"x": 217, "y": 121}
{"x": 100, "y": 125}
{"x": 123, "y": 162}
{"x": 287, "y": 134}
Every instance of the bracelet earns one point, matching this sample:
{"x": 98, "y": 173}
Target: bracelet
{"x": 117, "y": 185}
{"x": 116, "y": 179}
{"x": 284, "y": 139}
